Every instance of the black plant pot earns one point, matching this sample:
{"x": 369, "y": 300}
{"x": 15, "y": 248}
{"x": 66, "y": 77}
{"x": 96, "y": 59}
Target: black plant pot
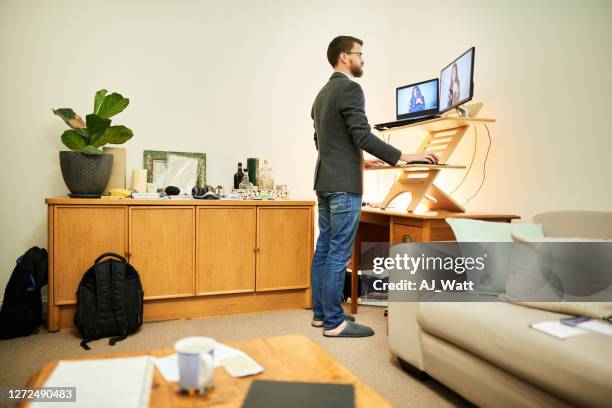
{"x": 85, "y": 175}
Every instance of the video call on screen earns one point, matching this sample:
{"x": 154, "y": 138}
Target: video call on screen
{"x": 417, "y": 98}
{"x": 451, "y": 92}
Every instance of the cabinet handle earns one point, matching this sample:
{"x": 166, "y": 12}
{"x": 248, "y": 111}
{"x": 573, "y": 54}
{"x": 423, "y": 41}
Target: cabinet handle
{"x": 256, "y": 250}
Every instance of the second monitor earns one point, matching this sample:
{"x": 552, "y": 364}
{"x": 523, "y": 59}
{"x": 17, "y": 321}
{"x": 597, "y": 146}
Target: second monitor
{"x": 457, "y": 81}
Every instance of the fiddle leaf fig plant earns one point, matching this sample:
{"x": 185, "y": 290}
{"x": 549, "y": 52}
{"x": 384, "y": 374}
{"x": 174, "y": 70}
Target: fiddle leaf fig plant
{"x": 96, "y": 131}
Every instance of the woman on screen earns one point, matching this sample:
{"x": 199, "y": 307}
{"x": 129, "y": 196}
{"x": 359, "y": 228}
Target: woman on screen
{"x": 453, "y": 91}
{"x": 417, "y": 101}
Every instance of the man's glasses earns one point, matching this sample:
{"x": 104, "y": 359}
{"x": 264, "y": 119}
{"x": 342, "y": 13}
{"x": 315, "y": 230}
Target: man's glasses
{"x": 360, "y": 54}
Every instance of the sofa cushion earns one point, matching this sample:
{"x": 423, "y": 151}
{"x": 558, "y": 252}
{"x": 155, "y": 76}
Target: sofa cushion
{"x": 594, "y": 310}
{"x": 586, "y": 224}
{"x": 468, "y": 230}
{"x": 578, "y": 368}
{"x": 551, "y": 269}
{"x": 493, "y": 279}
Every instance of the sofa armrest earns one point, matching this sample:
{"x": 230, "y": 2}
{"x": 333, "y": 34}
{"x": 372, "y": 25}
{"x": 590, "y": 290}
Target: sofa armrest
{"x": 404, "y": 333}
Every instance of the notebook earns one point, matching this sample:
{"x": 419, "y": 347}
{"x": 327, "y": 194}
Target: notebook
{"x": 113, "y": 382}
{"x": 283, "y": 394}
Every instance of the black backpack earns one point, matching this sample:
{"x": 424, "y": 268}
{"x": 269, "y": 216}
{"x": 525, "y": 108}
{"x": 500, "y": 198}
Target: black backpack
{"x": 109, "y": 300}
{"x": 21, "y": 313}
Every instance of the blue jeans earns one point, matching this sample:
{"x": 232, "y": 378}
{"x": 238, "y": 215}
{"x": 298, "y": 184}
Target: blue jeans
{"x": 338, "y": 220}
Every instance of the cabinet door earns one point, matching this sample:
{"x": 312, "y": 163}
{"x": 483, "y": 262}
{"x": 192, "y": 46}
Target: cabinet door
{"x": 162, "y": 245}
{"x": 80, "y": 235}
{"x": 226, "y": 250}
{"x": 285, "y": 248}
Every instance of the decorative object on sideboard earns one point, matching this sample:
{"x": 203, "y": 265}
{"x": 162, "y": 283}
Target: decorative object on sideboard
{"x": 266, "y": 177}
{"x": 118, "y": 171}
{"x": 86, "y": 169}
{"x": 251, "y": 194}
{"x": 182, "y": 172}
{"x": 172, "y": 190}
{"x": 253, "y": 167}
{"x": 238, "y": 176}
{"x": 245, "y": 184}
{"x": 139, "y": 180}
{"x": 219, "y": 191}
{"x": 198, "y": 191}
{"x": 156, "y": 164}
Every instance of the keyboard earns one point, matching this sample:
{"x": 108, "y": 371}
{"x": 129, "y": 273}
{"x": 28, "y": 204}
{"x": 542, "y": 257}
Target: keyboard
{"x": 403, "y": 122}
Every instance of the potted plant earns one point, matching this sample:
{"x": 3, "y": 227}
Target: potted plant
{"x": 86, "y": 169}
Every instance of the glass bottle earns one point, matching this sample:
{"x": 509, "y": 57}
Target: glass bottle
{"x": 267, "y": 178}
{"x": 238, "y": 176}
{"x": 246, "y": 184}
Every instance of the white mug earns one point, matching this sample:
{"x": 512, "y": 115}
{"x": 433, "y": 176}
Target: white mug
{"x": 195, "y": 362}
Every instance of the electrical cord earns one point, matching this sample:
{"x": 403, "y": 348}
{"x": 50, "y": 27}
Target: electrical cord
{"x": 471, "y": 162}
{"x": 484, "y": 167}
{"x": 472, "y": 159}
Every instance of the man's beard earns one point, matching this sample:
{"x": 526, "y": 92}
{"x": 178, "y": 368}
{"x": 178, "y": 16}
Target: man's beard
{"x": 356, "y": 70}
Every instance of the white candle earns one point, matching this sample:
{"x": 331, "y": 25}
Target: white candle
{"x": 139, "y": 180}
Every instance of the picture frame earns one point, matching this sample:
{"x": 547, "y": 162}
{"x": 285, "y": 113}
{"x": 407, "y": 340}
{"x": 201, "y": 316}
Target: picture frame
{"x": 154, "y": 161}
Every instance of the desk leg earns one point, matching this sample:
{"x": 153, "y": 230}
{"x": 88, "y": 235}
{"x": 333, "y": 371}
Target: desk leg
{"x": 354, "y": 271}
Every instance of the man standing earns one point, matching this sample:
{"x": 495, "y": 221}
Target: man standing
{"x": 342, "y": 133}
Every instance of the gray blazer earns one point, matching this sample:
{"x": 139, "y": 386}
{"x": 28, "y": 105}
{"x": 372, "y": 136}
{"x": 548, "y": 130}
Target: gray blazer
{"x": 341, "y": 132}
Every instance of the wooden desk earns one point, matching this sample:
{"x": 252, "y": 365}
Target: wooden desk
{"x": 285, "y": 358}
{"x": 395, "y": 226}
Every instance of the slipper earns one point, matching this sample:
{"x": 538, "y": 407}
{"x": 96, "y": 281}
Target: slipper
{"x": 353, "y": 330}
{"x": 348, "y": 318}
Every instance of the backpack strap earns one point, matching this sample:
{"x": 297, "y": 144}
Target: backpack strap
{"x": 102, "y": 305}
{"x": 103, "y": 294}
{"x": 110, "y": 255}
{"x": 84, "y": 344}
{"x": 117, "y": 281}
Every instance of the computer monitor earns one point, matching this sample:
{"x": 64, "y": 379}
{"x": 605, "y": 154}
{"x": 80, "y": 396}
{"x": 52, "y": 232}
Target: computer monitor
{"x": 457, "y": 81}
{"x": 420, "y": 99}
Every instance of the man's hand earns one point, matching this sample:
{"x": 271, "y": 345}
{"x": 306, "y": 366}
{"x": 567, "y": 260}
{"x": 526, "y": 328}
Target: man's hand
{"x": 374, "y": 163}
{"x": 419, "y": 157}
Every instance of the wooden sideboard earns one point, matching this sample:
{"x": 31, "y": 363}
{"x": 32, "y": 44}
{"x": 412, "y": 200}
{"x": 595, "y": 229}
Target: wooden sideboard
{"x": 195, "y": 258}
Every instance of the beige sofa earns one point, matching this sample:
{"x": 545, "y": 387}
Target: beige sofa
{"x": 487, "y": 353}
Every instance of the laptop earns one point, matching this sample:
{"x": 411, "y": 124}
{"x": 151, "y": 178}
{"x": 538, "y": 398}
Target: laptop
{"x": 414, "y": 103}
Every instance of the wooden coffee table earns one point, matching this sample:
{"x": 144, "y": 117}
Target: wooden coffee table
{"x": 285, "y": 358}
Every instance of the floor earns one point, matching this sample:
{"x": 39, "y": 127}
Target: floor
{"x": 368, "y": 358}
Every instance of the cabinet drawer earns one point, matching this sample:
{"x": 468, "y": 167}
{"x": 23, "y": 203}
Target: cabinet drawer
{"x": 415, "y": 234}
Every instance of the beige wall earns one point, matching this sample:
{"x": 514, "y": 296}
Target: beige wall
{"x": 236, "y": 79}
{"x": 543, "y": 69}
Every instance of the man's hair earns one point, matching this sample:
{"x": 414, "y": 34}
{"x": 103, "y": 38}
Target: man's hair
{"x": 338, "y": 45}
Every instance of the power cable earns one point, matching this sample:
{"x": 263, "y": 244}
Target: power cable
{"x": 484, "y": 167}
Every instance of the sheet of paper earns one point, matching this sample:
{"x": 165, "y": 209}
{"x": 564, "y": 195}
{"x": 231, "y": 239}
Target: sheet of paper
{"x": 113, "y": 382}
{"x": 222, "y": 352}
{"x": 597, "y": 326}
{"x": 168, "y": 367}
{"x": 182, "y": 172}
{"x": 557, "y": 329}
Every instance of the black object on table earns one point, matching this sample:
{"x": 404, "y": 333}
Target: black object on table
{"x": 283, "y": 394}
